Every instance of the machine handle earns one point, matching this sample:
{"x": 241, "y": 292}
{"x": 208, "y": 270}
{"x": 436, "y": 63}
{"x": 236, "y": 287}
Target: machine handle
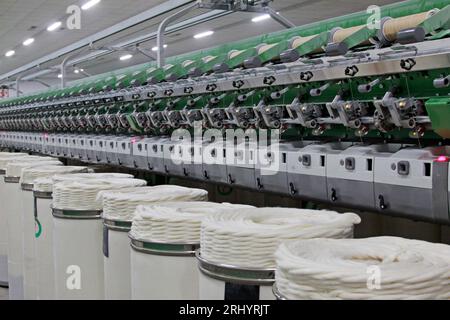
{"x": 292, "y": 189}
{"x": 333, "y": 195}
{"x": 259, "y": 184}
{"x": 381, "y": 202}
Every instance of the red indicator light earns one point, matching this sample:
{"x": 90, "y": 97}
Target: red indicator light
{"x": 442, "y": 159}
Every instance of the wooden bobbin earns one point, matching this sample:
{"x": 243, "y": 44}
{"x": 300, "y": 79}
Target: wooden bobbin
{"x": 394, "y": 26}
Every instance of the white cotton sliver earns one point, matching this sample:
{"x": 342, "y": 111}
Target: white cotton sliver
{"x": 339, "y": 268}
{"x": 43, "y": 184}
{"x": 82, "y": 194}
{"x": 16, "y": 157}
{"x": 46, "y": 184}
{"x": 86, "y": 176}
{"x": 30, "y": 174}
{"x": 121, "y": 204}
{"x": 175, "y": 222}
{"x": 15, "y": 169}
{"x": 250, "y": 237}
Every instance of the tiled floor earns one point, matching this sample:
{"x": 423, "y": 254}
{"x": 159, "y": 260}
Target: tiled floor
{"x": 3, "y": 294}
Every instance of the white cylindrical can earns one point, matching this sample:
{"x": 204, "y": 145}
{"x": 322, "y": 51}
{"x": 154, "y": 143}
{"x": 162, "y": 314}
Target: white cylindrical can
{"x": 118, "y": 211}
{"x": 78, "y": 227}
{"x": 78, "y": 261}
{"x": 29, "y": 249}
{"x": 26, "y": 230}
{"x": 3, "y": 233}
{"x": 116, "y": 259}
{"x": 31, "y": 226}
{"x": 164, "y": 239}
{"x": 44, "y": 246}
{"x": 236, "y": 259}
{"x": 5, "y": 158}
{"x": 163, "y": 271}
{"x": 15, "y": 245}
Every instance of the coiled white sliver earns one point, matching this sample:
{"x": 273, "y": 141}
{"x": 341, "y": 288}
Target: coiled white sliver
{"x": 46, "y": 184}
{"x": 30, "y": 174}
{"x": 175, "y": 222}
{"x": 15, "y": 169}
{"x": 87, "y": 176}
{"x": 6, "y": 156}
{"x": 82, "y": 194}
{"x": 349, "y": 269}
{"x": 250, "y": 237}
{"x": 43, "y": 184}
{"x": 121, "y": 204}
{"x": 4, "y": 160}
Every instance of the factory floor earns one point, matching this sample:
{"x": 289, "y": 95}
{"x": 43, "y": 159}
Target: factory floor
{"x": 4, "y": 294}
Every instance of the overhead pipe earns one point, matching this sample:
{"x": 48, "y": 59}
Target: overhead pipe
{"x": 18, "y": 92}
{"x": 65, "y": 62}
{"x": 162, "y": 29}
{"x": 279, "y": 18}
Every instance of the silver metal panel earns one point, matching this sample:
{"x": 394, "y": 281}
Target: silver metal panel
{"x": 352, "y": 193}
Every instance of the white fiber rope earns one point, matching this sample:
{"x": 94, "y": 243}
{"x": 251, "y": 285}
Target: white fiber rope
{"x": 175, "y": 222}
{"x": 373, "y": 268}
{"x": 30, "y": 174}
{"x": 82, "y": 194}
{"x": 121, "y": 204}
{"x": 15, "y": 169}
{"x": 250, "y": 237}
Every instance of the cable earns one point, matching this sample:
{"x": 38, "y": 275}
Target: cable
{"x": 121, "y": 204}
{"x": 82, "y": 194}
{"x": 250, "y": 237}
{"x": 175, "y": 222}
{"x": 345, "y": 269}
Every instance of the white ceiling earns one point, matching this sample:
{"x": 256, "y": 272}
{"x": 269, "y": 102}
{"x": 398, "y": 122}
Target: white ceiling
{"x": 18, "y": 16}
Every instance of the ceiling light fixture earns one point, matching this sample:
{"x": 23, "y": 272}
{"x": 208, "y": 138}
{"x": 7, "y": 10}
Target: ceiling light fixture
{"x": 89, "y": 4}
{"x": 10, "y": 53}
{"x": 156, "y": 48}
{"x": 126, "y": 57}
{"x": 203, "y": 34}
{"x": 28, "y": 41}
{"x": 54, "y": 26}
{"x": 60, "y": 76}
{"x": 261, "y": 18}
